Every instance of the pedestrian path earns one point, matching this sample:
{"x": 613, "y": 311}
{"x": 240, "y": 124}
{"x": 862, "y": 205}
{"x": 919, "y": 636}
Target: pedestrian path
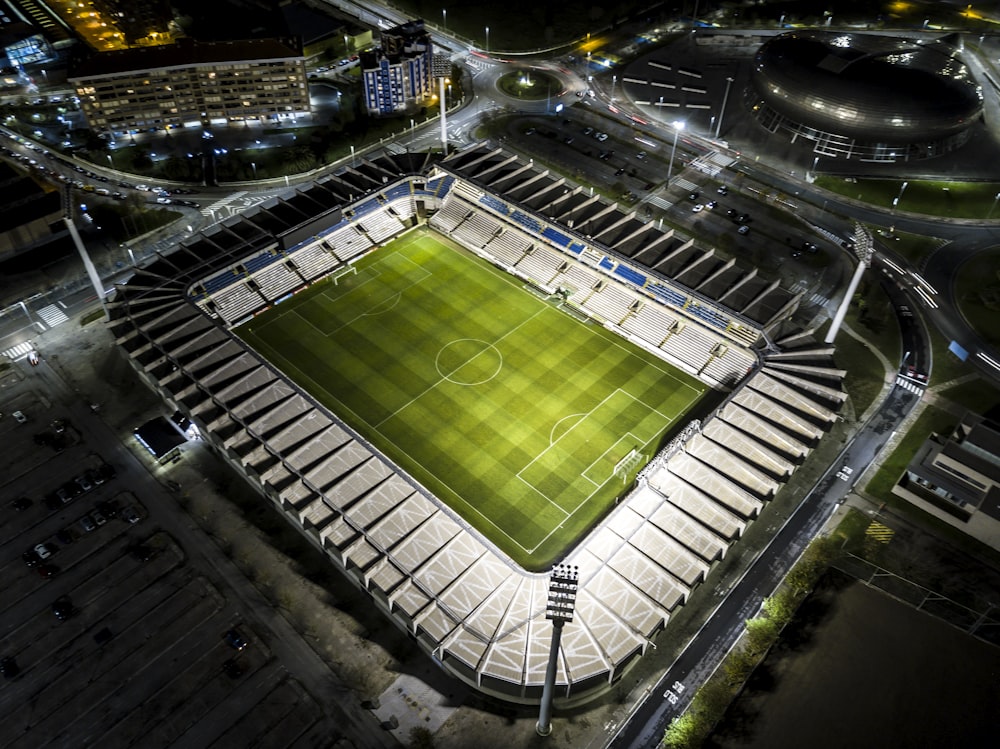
{"x": 52, "y": 315}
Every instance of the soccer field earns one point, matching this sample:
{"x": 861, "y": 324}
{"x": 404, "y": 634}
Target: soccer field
{"x": 510, "y": 410}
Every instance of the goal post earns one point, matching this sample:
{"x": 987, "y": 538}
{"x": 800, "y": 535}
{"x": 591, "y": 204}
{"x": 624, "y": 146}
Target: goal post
{"x": 628, "y": 464}
{"x": 341, "y": 272}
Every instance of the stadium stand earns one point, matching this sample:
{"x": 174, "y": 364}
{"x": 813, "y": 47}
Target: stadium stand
{"x": 610, "y": 302}
{"x": 314, "y": 260}
{"x": 508, "y": 246}
{"x": 480, "y": 616}
{"x": 541, "y": 266}
{"x": 380, "y": 226}
{"x": 276, "y": 280}
{"x": 348, "y": 243}
{"x": 236, "y": 301}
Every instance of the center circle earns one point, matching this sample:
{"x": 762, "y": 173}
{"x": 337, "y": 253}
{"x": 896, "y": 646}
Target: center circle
{"x": 468, "y": 361}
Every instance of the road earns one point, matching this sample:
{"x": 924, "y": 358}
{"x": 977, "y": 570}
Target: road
{"x": 645, "y": 727}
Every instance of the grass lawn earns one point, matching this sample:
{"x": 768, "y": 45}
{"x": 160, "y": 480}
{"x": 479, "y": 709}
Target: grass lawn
{"x": 511, "y": 411}
{"x": 977, "y": 277}
{"x": 930, "y": 197}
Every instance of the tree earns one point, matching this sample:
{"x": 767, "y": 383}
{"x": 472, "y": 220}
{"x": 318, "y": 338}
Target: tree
{"x": 780, "y": 608}
{"x": 761, "y": 634}
{"x": 421, "y": 738}
{"x": 682, "y": 732}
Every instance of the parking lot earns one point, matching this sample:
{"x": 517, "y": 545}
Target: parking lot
{"x": 114, "y": 630}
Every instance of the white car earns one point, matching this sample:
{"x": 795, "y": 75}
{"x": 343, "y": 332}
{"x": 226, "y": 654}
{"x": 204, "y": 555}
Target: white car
{"x": 601, "y": 137}
{"x": 43, "y": 551}
{"x": 698, "y": 208}
{"x": 19, "y": 417}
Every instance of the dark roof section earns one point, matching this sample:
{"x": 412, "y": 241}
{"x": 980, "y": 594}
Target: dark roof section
{"x": 159, "y": 436}
{"x": 868, "y": 87}
{"x": 186, "y": 52}
{"x": 23, "y": 201}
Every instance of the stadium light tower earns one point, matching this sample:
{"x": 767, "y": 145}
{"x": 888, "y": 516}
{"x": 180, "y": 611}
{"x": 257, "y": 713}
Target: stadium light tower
{"x": 562, "y": 598}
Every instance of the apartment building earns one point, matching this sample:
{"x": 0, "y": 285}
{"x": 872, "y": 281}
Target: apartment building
{"x": 192, "y": 83}
{"x": 398, "y": 74}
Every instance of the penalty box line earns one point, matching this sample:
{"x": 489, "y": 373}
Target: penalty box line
{"x": 596, "y": 485}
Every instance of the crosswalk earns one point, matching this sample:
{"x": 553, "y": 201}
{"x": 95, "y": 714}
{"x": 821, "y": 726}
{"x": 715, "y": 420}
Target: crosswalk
{"x": 908, "y": 384}
{"x": 52, "y": 315}
{"x": 19, "y": 351}
{"x": 208, "y": 210}
{"x": 819, "y": 300}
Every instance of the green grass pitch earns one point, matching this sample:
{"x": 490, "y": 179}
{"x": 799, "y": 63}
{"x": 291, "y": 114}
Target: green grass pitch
{"x": 510, "y": 410}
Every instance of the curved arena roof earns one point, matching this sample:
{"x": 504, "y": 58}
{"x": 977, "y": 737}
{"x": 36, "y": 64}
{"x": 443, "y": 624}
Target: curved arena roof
{"x": 481, "y": 616}
{"x": 874, "y": 89}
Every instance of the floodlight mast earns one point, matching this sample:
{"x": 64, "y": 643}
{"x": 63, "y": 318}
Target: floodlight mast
{"x": 562, "y": 598}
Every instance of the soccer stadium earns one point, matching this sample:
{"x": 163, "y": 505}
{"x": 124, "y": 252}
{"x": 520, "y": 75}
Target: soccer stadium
{"x": 450, "y": 373}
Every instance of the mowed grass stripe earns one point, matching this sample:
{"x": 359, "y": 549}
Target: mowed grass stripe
{"x": 466, "y": 380}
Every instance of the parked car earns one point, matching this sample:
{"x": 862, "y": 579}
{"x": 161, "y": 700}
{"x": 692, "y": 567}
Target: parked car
{"x": 129, "y": 515}
{"x": 233, "y": 668}
{"x": 84, "y": 483}
{"x": 723, "y": 190}
{"x": 19, "y": 417}
{"x": 21, "y": 504}
{"x": 98, "y": 517}
{"x": 46, "y": 570}
{"x": 88, "y": 524}
{"x": 31, "y": 558}
{"x": 235, "y": 640}
{"x": 744, "y": 229}
{"x": 44, "y": 551}
{"x": 64, "y": 536}
{"x": 62, "y": 607}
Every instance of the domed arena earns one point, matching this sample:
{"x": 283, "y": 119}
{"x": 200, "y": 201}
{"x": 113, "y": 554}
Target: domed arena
{"x": 866, "y": 97}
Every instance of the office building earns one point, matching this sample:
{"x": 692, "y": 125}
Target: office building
{"x": 957, "y": 477}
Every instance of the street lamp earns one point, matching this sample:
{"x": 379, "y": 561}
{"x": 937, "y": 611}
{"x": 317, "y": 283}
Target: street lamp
{"x": 487, "y": 40}
{"x": 110, "y": 162}
{"x": 444, "y": 15}
{"x": 895, "y": 200}
{"x": 614, "y": 80}
{"x": 994, "y": 206}
{"x": 254, "y": 165}
{"x": 678, "y": 126}
{"x": 722, "y": 111}
{"x": 563, "y": 581}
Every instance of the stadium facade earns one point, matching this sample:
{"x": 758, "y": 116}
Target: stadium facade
{"x": 865, "y": 96}
{"x": 479, "y": 616}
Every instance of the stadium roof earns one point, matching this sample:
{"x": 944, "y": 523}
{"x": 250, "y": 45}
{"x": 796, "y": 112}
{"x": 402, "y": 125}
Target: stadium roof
{"x": 735, "y": 290}
{"x": 866, "y": 86}
{"x": 469, "y": 606}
